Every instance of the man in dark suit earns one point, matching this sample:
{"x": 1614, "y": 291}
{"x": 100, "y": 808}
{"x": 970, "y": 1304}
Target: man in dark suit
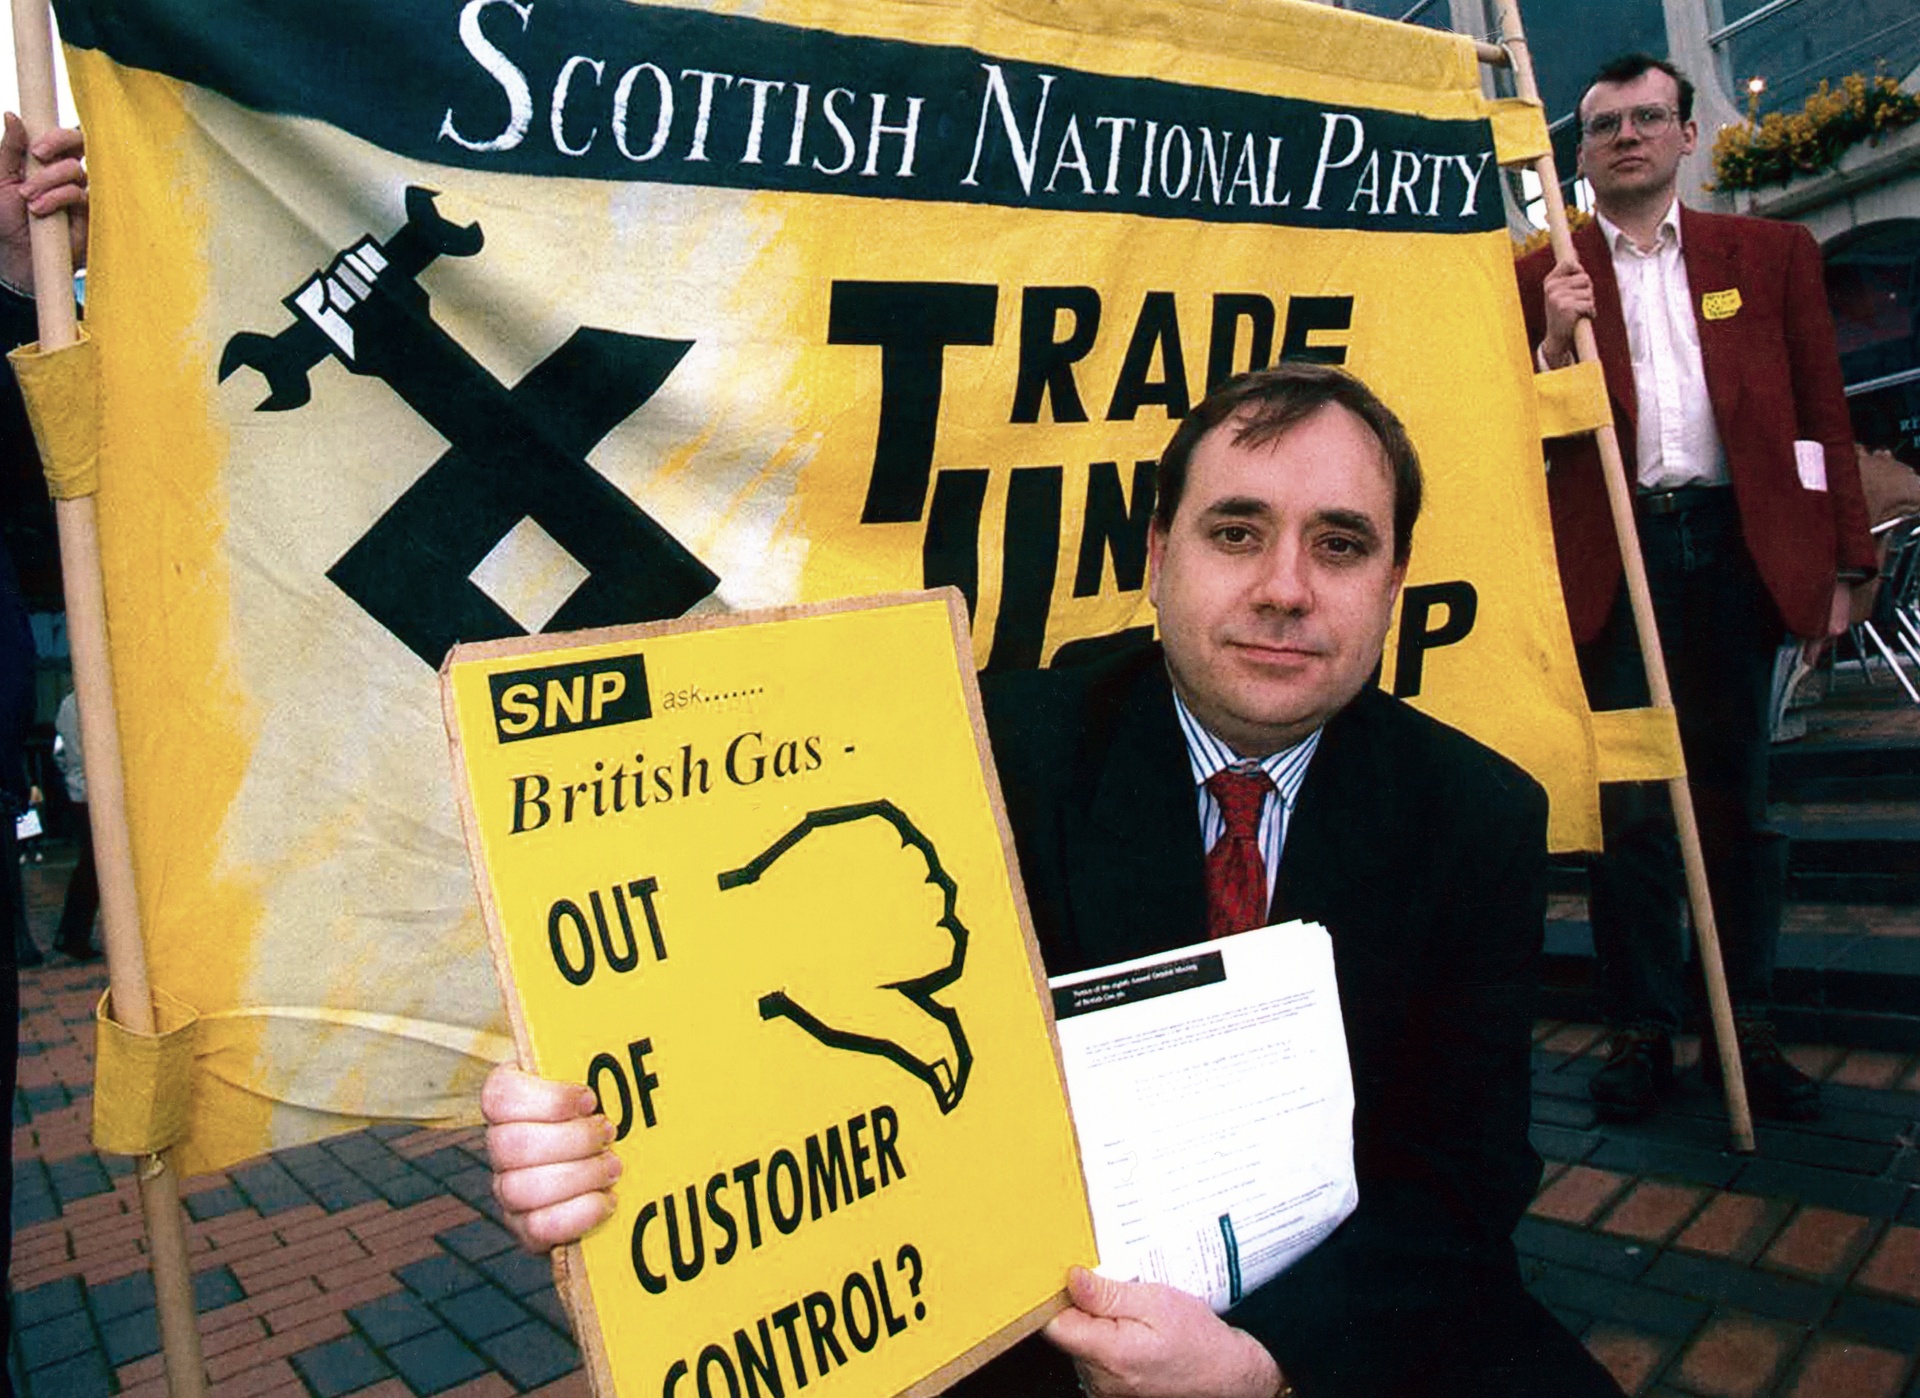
{"x": 1719, "y": 357}
{"x": 1284, "y": 517}
{"x": 1246, "y": 771}
{"x": 1422, "y": 853}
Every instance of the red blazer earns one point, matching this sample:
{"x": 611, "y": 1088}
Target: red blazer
{"x": 1773, "y": 374}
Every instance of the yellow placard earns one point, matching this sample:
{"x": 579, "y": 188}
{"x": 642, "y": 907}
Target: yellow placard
{"x": 1720, "y": 305}
{"x": 750, "y": 881}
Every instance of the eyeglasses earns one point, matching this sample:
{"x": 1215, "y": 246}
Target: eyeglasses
{"x": 1647, "y": 121}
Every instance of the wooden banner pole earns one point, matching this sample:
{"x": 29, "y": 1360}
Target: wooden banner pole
{"x": 1620, "y": 498}
{"x": 100, "y": 734}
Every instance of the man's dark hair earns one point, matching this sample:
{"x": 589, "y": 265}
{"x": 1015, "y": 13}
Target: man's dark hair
{"x": 1265, "y": 405}
{"x": 1629, "y": 66}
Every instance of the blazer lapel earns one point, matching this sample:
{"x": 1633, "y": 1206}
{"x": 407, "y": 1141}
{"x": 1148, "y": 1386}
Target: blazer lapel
{"x": 1610, "y": 326}
{"x": 1138, "y": 884}
{"x": 1713, "y": 264}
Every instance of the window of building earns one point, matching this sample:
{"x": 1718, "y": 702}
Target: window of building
{"x": 1792, "y": 45}
{"x": 1873, "y": 287}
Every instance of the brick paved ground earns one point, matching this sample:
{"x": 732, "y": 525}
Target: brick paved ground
{"x": 370, "y": 1264}
{"x": 1688, "y": 1269}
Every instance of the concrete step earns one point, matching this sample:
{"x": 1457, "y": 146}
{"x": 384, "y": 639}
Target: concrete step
{"x": 1847, "y": 770}
{"x": 1862, "y": 743}
{"x": 1848, "y": 797}
{"x": 1857, "y": 851}
{"x": 1844, "y": 974}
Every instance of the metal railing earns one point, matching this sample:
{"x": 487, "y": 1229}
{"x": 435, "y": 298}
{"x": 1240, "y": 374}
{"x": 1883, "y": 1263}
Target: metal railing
{"x": 1894, "y": 380}
{"x": 1857, "y": 51}
{"x": 1719, "y": 37}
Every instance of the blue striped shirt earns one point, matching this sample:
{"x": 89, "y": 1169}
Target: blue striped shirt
{"x": 1287, "y": 769}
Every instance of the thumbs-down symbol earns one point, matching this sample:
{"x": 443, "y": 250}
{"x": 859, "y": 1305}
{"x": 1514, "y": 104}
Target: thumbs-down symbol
{"x": 868, "y": 935}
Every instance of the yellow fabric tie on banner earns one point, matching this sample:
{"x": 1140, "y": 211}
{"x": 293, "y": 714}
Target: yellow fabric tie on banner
{"x": 142, "y": 1082}
{"x": 62, "y": 389}
{"x": 1519, "y": 130}
{"x": 1638, "y": 745}
{"x": 1572, "y": 400}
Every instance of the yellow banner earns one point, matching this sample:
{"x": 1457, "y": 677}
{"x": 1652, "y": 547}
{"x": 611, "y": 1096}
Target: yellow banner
{"x": 751, "y": 884}
{"x": 423, "y": 325}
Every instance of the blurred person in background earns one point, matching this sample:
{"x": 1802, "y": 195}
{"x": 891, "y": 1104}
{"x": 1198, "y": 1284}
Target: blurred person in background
{"x": 75, "y": 934}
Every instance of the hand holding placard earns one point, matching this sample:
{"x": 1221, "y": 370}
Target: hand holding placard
{"x": 553, "y": 1173}
{"x": 1133, "y": 1338}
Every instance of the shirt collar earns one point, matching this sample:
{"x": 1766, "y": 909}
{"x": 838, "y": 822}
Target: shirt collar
{"x": 1618, "y": 241}
{"x": 1207, "y": 754}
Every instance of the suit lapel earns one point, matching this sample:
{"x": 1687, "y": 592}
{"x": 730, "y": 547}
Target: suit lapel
{"x": 1139, "y": 881}
{"x": 1323, "y": 815}
{"x": 1346, "y": 867}
{"x": 1712, "y": 264}
{"x": 1609, "y": 325}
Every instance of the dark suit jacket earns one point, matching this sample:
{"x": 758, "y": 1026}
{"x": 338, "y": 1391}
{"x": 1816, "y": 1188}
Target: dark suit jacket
{"x": 21, "y": 485}
{"x": 1773, "y": 374}
{"x": 1424, "y": 855}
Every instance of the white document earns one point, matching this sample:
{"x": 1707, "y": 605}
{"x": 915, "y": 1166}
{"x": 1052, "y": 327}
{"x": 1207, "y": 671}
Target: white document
{"x": 1214, "y": 1105}
{"x": 1810, "y": 460}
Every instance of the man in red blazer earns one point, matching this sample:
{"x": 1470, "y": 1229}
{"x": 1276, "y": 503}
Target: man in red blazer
{"x": 1719, "y": 356}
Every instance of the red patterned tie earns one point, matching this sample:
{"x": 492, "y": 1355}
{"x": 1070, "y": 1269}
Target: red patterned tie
{"x": 1236, "y": 872}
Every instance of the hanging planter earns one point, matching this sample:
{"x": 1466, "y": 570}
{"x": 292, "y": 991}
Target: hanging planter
{"x": 1782, "y": 146}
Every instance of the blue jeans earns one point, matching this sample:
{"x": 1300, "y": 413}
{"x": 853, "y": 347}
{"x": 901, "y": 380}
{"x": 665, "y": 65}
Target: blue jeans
{"x": 1719, "y": 629}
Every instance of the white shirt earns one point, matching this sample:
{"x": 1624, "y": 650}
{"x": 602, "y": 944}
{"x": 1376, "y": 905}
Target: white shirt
{"x": 1675, "y": 440}
{"x": 1287, "y": 770}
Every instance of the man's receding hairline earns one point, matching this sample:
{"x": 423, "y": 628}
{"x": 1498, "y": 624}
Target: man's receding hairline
{"x": 1580, "y": 108}
{"x": 1259, "y": 434}
{"x": 1251, "y": 430}
{"x": 1594, "y": 87}
{"x": 1267, "y": 434}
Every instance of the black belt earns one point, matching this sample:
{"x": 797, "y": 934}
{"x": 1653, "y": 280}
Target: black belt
{"x": 1681, "y": 499}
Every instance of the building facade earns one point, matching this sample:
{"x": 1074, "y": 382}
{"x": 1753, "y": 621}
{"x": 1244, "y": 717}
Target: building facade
{"x": 1865, "y": 212}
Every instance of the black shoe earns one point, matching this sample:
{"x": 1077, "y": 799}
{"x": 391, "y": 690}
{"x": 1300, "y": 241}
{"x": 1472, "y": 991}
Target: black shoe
{"x": 1775, "y": 1088}
{"x": 1637, "y": 1075}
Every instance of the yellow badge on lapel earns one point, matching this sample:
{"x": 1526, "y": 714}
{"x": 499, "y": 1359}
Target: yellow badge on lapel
{"x": 1721, "y": 305}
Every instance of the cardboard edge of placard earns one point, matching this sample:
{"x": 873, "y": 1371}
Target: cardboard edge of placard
{"x": 976, "y": 713}
{"x": 569, "y": 1273}
{"x": 989, "y": 1349}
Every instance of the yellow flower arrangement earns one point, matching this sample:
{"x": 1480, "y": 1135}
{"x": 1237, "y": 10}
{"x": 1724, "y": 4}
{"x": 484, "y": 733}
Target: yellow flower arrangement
{"x": 1780, "y": 145}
